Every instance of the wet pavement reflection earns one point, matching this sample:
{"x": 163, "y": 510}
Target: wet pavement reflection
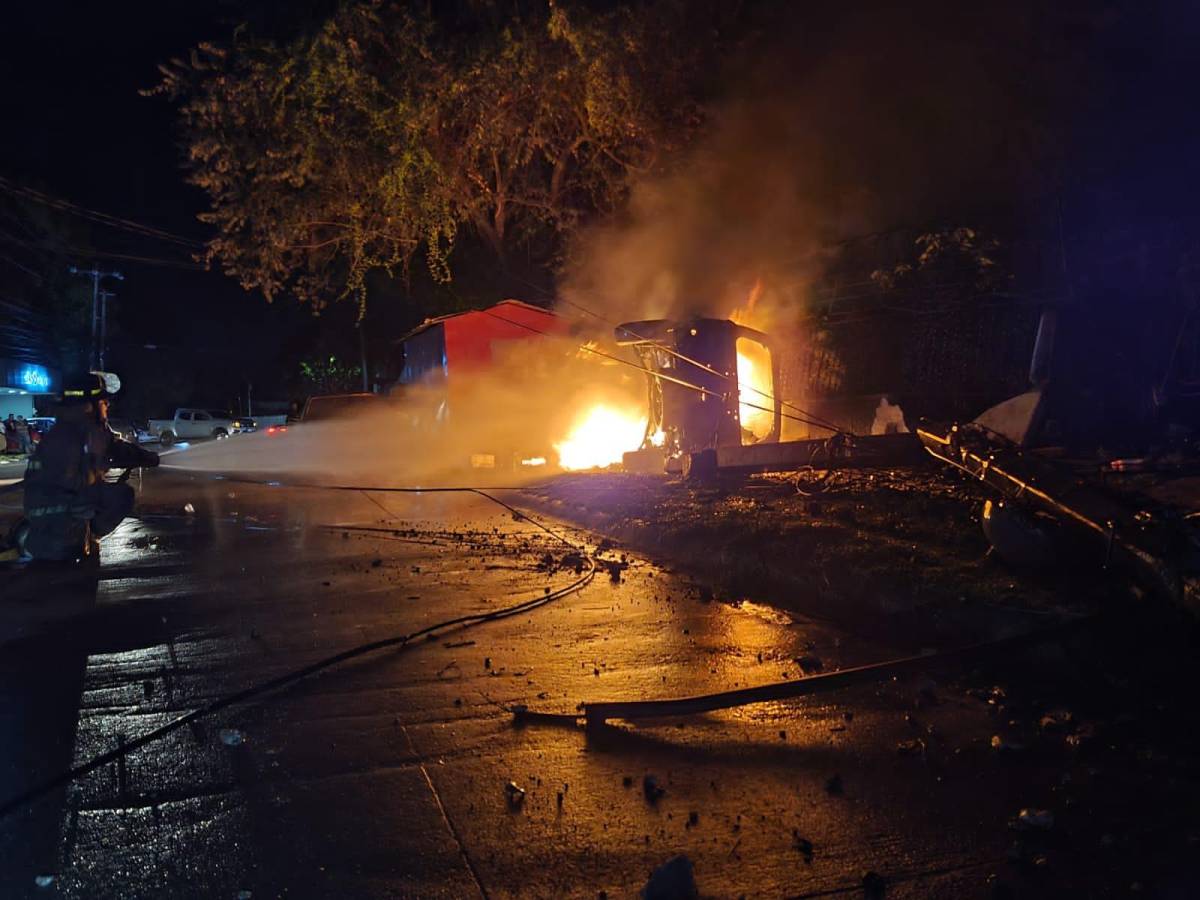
{"x": 387, "y": 776}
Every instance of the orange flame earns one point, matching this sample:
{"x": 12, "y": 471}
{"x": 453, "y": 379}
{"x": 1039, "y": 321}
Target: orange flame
{"x": 600, "y": 437}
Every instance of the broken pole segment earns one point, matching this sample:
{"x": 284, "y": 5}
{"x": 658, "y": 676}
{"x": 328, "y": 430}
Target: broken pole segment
{"x": 597, "y": 714}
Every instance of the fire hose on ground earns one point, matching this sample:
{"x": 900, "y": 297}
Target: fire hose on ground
{"x": 400, "y": 642}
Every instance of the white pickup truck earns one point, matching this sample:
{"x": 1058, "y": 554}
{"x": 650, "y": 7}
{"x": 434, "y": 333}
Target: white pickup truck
{"x": 191, "y": 424}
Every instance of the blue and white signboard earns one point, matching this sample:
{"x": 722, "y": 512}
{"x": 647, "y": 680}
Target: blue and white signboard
{"x": 28, "y": 377}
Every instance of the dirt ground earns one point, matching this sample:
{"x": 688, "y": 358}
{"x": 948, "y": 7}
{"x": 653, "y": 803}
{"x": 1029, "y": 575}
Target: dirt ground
{"x": 1108, "y": 714}
{"x": 894, "y": 551}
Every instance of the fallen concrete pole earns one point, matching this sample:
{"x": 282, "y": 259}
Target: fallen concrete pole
{"x": 864, "y": 451}
{"x": 1115, "y": 530}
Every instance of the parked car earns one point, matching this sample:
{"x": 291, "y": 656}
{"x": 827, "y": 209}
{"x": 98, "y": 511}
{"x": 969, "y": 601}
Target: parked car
{"x": 192, "y": 424}
{"x": 39, "y": 425}
{"x": 132, "y": 430}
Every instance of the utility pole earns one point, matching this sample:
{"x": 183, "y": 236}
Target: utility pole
{"x": 104, "y": 295}
{"x": 96, "y": 356}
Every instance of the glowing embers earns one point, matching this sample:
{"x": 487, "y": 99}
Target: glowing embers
{"x": 755, "y": 390}
{"x": 600, "y": 437}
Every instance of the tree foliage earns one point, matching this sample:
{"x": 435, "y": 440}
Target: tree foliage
{"x": 393, "y": 129}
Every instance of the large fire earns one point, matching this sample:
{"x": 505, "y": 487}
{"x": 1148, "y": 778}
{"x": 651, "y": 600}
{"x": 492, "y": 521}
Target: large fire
{"x": 756, "y": 391}
{"x": 600, "y": 437}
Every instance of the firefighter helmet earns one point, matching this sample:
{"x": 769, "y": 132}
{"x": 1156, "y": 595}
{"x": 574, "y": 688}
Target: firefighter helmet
{"x": 90, "y": 386}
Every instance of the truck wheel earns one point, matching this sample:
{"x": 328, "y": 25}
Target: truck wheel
{"x": 220, "y": 433}
{"x": 166, "y": 438}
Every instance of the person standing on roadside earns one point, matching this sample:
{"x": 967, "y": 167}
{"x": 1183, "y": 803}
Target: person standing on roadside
{"x": 24, "y": 438}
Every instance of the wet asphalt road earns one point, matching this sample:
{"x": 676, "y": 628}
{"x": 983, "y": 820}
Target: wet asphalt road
{"x": 386, "y": 777}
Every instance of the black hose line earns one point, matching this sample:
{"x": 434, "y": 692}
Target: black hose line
{"x": 28, "y": 797}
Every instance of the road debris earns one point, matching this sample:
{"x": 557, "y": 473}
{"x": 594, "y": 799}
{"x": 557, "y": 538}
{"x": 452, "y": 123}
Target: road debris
{"x": 515, "y": 794}
{"x": 1056, "y": 720}
{"x": 43, "y": 881}
{"x": 231, "y": 737}
{"x": 1033, "y": 820}
{"x": 909, "y": 748}
{"x": 834, "y": 786}
{"x": 453, "y": 645}
{"x": 673, "y": 880}
{"x": 809, "y": 663}
{"x": 651, "y": 788}
{"x": 804, "y": 845}
{"x": 189, "y": 509}
{"x": 1004, "y": 745}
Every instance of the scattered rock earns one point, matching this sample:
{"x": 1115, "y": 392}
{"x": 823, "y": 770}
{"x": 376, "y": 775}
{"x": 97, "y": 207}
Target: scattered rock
{"x": 804, "y": 845}
{"x": 376, "y": 563}
{"x": 627, "y": 781}
{"x": 1029, "y": 819}
{"x": 834, "y": 786}
{"x": 1055, "y": 721}
{"x": 487, "y": 662}
{"x": 1083, "y": 735}
{"x": 693, "y": 819}
{"x": 651, "y": 788}
{"x": 43, "y": 881}
{"x": 908, "y": 748}
{"x": 809, "y": 663}
{"x": 673, "y": 880}
{"x": 514, "y": 794}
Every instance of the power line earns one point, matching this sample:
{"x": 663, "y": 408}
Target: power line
{"x": 61, "y": 249}
{"x": 700, "y": 389}
{"x": 816, "y": 420}
{"x": 810, "y": 418}
{"x": 92, "y": 215}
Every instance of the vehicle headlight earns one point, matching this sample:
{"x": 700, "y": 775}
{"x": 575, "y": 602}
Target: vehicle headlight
{"x": 237, "y": 424}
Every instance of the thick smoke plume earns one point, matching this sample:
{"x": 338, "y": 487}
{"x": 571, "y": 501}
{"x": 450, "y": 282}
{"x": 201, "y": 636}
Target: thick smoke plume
{"x": 834, "y": 125}
{"x": 514, "y": 409}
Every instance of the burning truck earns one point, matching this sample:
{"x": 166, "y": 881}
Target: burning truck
{"x": 655, "y": 395}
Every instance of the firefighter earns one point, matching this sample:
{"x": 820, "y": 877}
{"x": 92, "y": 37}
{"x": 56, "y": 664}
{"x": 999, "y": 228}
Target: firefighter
{"x": 68, "y": 501}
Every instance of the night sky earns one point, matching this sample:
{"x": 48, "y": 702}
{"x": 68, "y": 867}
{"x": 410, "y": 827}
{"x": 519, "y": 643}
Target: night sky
{"x": 77, "y": 128}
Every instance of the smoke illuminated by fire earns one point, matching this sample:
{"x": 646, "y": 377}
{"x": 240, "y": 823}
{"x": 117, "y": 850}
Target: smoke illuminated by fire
{"x": 600, "y": 437}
